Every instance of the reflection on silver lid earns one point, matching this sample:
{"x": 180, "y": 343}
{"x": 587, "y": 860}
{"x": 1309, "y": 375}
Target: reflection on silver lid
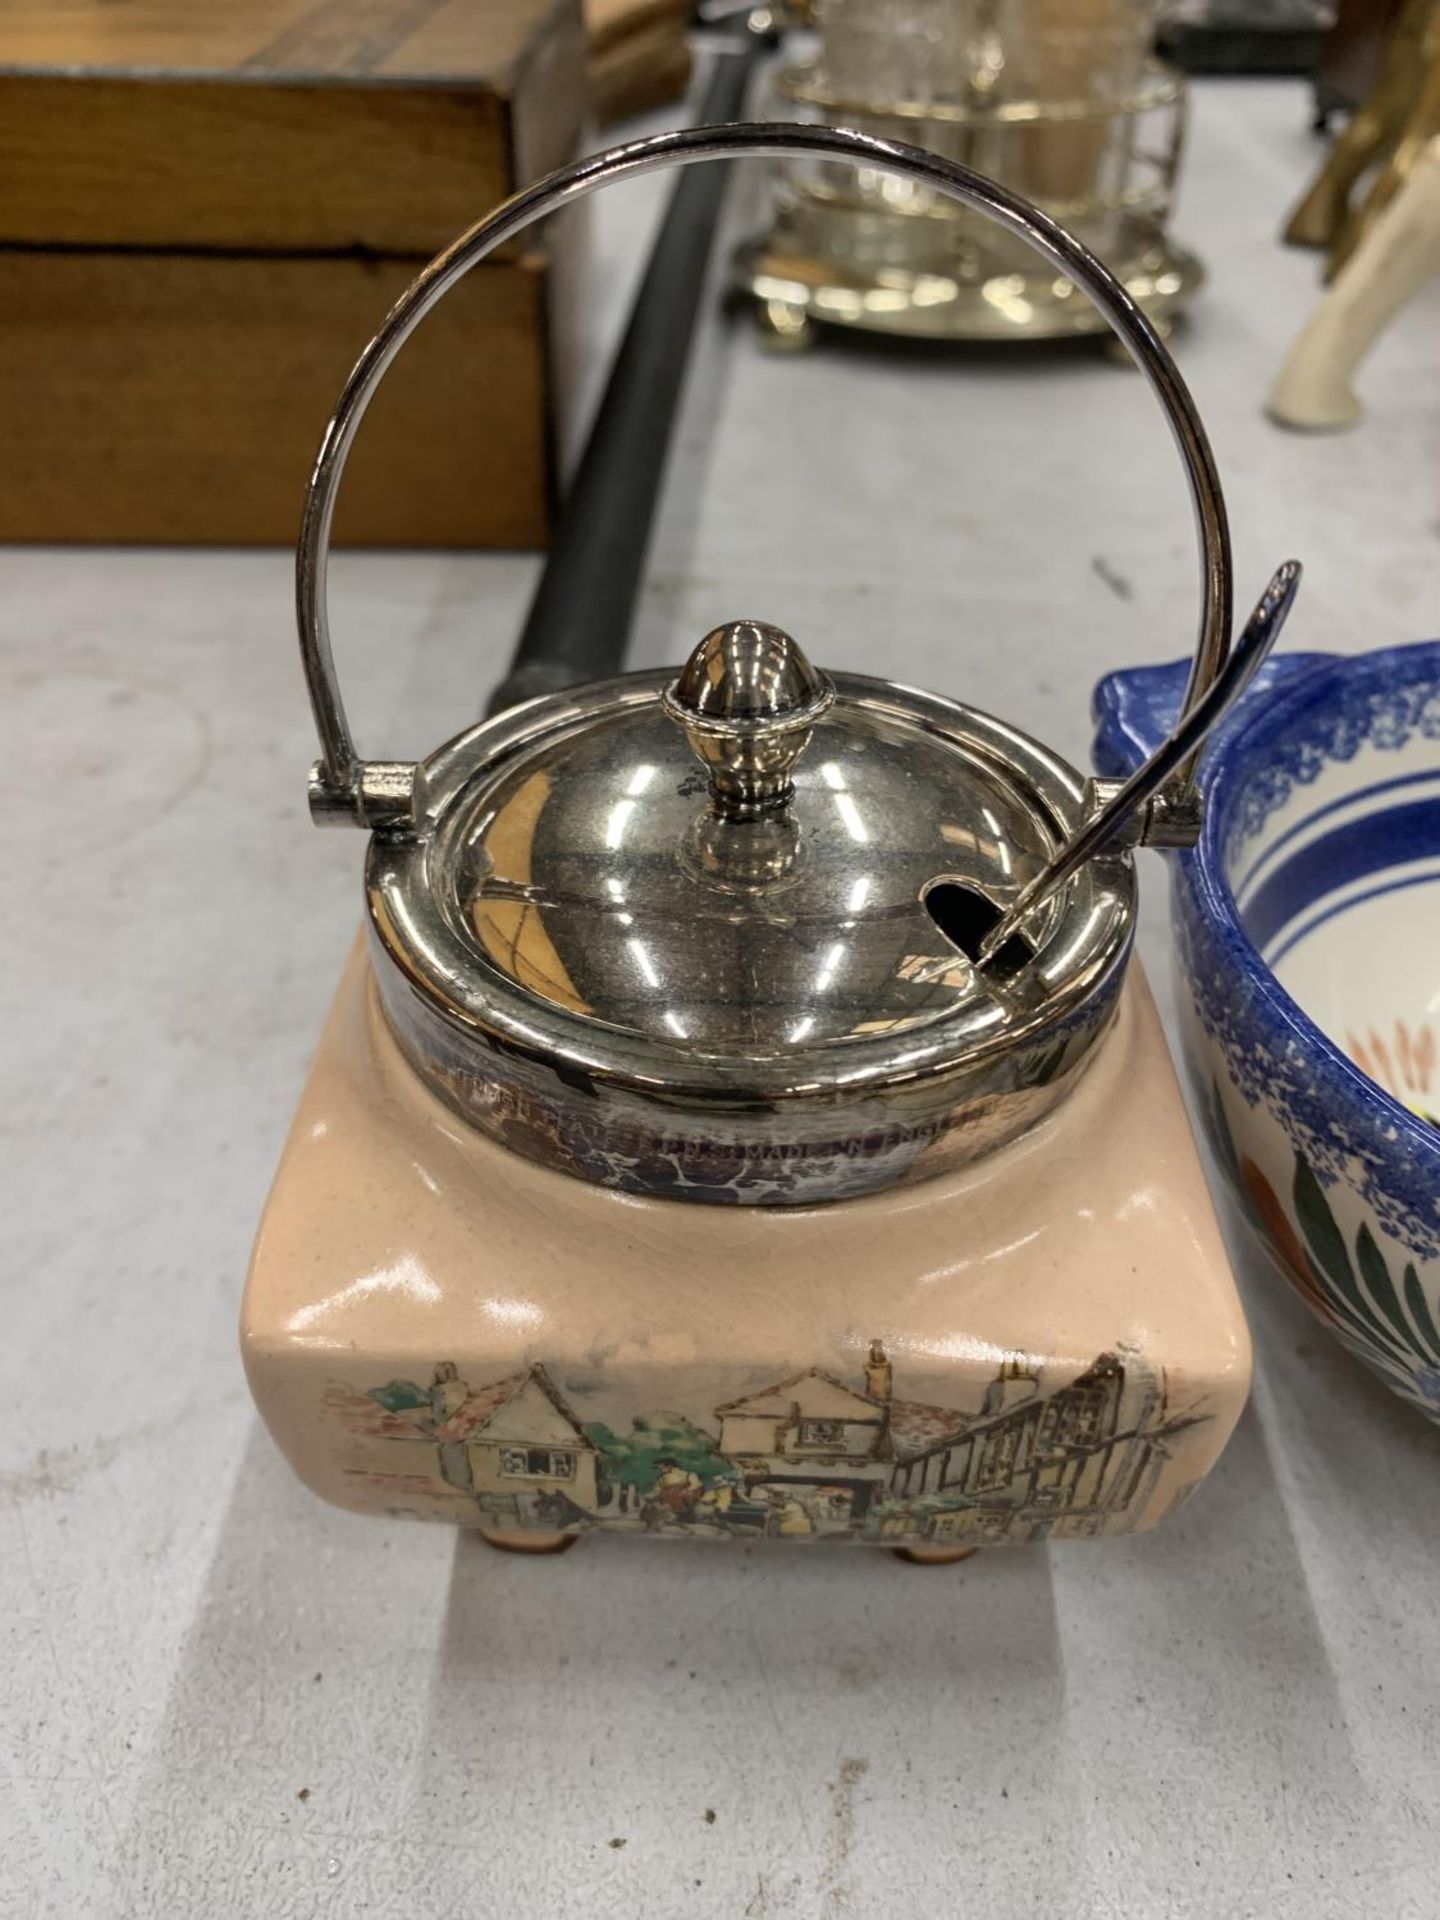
{"x": 621, "y": 961}
{"x": 596, "y": 875}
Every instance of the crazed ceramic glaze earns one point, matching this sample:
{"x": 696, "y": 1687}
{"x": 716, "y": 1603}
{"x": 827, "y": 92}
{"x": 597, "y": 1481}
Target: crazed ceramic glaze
{"x": 1308, "y": 944}
{"x": 1045, "y": 1344}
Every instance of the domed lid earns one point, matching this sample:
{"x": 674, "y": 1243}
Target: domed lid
{"x": 764, "y": 912}
{"x": 748, "y": 892}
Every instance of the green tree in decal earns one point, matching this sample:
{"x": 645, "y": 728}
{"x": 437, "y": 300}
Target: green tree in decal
{"x": 630, "y": 1459}
{"x": 400, "y": 1396}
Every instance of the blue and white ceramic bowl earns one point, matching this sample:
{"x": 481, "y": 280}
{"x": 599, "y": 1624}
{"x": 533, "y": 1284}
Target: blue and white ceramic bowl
{"x": 1307, "y": 927}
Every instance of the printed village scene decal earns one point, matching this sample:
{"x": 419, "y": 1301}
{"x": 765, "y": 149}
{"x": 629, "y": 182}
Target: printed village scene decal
{"x": 811, "y": 1457}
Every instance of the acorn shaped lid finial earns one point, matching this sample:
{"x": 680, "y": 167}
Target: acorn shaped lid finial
{"x": 747, "y": 699}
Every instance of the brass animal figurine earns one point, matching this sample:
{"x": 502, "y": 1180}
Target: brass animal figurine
{"x": 1389, "y": 128}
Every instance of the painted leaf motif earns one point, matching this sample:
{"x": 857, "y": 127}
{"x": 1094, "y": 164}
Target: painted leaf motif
{"x": 1317, "y": 1223}
{"x": 1327, "y": 1247}
{"x": 1283, "y": 1241}
{"x": 1376, "y": 1276}
{"x": 1420, "y": 1311}
{"x": 1224, "y": 1140}
{"x": 1381, "y": 1347}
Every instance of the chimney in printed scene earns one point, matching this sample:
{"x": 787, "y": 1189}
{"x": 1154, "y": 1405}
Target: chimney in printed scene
{"x": 448, "y": 1393}
{"x": 879, "y": 1376}
{"x": 1014, "y": 1383}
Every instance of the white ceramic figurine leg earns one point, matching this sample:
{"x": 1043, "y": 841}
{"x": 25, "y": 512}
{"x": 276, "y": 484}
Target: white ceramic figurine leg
{"x": 1398, "y": 255}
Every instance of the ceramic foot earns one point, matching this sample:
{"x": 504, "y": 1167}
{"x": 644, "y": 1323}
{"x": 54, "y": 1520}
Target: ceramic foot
{"x": 933, "y": 1556}
{"x": 525, "y": 1540}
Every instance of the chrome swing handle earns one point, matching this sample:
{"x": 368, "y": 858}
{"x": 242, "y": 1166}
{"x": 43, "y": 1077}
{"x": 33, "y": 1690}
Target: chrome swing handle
{"x": 347, "y": 790}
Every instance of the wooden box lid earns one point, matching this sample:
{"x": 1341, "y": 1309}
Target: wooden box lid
{"x": 381, "y": 126}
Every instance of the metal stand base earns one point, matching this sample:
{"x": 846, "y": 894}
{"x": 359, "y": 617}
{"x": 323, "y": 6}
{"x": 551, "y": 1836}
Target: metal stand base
{"x": 795, "y": 294}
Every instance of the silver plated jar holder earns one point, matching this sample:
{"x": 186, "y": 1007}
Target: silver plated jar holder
{"x": 755, "y": 934}
{"x": 1058, "y": 101}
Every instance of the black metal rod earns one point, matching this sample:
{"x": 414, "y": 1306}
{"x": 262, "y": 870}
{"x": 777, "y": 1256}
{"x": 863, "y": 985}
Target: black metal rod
{"x": 580, "y": 619}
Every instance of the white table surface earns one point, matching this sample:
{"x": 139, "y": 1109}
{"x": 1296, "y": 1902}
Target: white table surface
{"x": 218, "y": 1697}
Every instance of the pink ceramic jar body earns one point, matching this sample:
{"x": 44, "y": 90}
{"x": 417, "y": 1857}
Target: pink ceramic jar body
{"x": 1045, "y": 1344}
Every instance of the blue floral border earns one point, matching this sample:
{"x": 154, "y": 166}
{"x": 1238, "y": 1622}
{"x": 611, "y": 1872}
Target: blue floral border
{"x": 1318, "y": 709}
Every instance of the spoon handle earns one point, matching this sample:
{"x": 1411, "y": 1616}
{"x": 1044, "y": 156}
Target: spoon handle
{"x": 1261, "y": 631}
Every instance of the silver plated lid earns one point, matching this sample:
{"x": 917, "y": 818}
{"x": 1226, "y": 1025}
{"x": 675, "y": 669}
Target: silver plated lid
{"x": 597, "y": 955}
{"x": 596, "y": 872}
{"x": 744, "y": 933}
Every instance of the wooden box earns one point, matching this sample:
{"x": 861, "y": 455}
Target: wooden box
{"x": 205, "y": 211}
